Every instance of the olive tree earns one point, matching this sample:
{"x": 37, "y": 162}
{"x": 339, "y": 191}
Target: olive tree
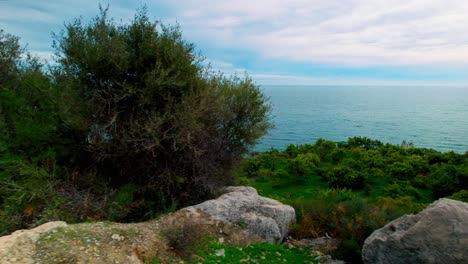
{"x": 155, "y": 115}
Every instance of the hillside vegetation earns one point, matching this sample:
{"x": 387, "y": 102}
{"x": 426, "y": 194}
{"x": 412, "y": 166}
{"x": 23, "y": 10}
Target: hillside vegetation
{"x": 129, "y": 123}
{"x": 348, "y": 189}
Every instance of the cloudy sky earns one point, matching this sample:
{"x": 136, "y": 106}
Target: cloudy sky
{"x": 289, "y": 42}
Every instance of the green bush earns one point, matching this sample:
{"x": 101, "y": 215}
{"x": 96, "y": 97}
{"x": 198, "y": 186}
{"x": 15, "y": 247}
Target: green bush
{"x": 444, "y": 181}
{"x": 281, "y": 178}
{"x": 155, "y": 116}
{"x": 369, "y": 184}
{"x": 399, "y": 190}
{"x": 401, "y": 171}
{"x": 128, "y": 104}
{"x": 345, "y": 177}
{"x": 251, "y": 166}
{"x": 460, "y": 196}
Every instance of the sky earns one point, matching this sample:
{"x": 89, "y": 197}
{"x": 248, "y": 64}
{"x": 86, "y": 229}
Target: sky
{"x": 296, "y": 42}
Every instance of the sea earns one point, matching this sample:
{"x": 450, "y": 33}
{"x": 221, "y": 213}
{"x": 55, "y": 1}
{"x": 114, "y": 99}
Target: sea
{"x": 427, "y": 116}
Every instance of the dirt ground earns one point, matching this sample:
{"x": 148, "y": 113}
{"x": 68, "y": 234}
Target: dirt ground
{"x": 164, "y": 240}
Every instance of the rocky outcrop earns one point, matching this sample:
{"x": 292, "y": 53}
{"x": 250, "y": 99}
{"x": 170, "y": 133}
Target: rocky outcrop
{"x": 164, "y": 239}
{"x": 19, "y": 247}
{"x": 438, "y": 234}
{"x": 261, "y": 216}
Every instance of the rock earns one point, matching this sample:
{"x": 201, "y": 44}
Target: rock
{"x": 327, "y": 259}
{"x": 220, "y": 253}
{"x": 261, "y": 216}
{"x": 133, "y": 243}
{"x": 20, "y": 245}
{"x": 325, "y": 245}
{"x": 438, "y": 234}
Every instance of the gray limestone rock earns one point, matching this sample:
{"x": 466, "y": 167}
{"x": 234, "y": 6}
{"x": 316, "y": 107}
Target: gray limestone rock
{"x": 438, "y": 234}
{"x": 242, "y": 205}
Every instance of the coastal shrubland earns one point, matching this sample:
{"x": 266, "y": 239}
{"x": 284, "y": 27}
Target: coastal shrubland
{"x": 128, "y": 123}
{"x": 348, "y": 189}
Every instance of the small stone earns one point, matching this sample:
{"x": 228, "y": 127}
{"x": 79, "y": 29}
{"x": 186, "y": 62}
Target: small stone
{"x": 220, "y": 253}
{"x": 278, "y": 254}
{"x": 221, "y": 240}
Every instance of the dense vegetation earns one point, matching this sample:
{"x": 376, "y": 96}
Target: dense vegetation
{"x": 348, "y": 189}
{"x": 128, "y": 124}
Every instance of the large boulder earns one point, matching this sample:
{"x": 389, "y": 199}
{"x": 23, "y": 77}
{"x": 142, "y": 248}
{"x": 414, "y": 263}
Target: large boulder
{"x": 261, "y": 216}
{"x": 438, "y": 234}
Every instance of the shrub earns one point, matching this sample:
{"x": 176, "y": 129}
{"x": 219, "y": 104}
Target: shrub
{"x": 324, "y": 148}
{"x": 363, "y": 142}
{"x": 399, "y": 190}
{"x": 345, "y": 177}
{"x": 186, "y": 237}
{"x": 34, "y": 119}
{"x": 251, "y": 166}
{"x": 291, "y": 150}
{"x": 302, "y": 166}
{"x": 155, "y": 116}
{"x": 460, "y": 196}
{"x": 401, "y": 171}
{"x": 444, "y": 181}
{"x": 281, "y": 177}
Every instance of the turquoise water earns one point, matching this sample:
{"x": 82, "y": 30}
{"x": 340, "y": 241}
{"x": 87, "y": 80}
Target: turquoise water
{"x": 430, "y": 117}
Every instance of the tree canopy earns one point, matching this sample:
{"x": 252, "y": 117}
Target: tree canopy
{"x": 131, "y": 116}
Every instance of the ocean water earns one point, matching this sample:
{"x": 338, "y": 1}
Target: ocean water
{"x": 430, "y": 117}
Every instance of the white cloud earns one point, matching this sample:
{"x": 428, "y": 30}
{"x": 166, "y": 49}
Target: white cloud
{"x": 338, "y": 32}
{"x": 352, "y": 32}
{"x": 285, "y": 79}
{"x": 225, "y": 67}
{"x": 46, "y": 56}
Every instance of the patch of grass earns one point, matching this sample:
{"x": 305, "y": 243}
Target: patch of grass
{"x": 256, "y": 253}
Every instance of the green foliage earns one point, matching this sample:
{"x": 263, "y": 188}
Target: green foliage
{"x": 444, "y": 181}
{"x": 34, "y": 118}
{"x": 363, "y": 142}
{"x": 258, "y": 253}
{"x": 345, "y": 177}
{"x": 281, "y": 177}
{"x": 349, "y": 189}
{"x": 128, "y": 124}
{"x": 460, "y": 196}
{"x": 401, "y": 170}
{"x": 251, "y": 166}
{"x": 399, "y": 190}
{"x": 156, "y": 117}
{"x": 324, "y": 148}
{"x": 302, "y": 165}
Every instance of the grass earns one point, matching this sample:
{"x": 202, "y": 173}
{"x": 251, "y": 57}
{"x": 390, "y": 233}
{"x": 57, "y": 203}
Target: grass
{"x": 257, "y": 253}
{"x": 289, "y": 192}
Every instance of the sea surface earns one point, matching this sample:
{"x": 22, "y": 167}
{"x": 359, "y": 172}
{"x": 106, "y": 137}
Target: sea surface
{"x": 430, "y": 117}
